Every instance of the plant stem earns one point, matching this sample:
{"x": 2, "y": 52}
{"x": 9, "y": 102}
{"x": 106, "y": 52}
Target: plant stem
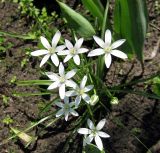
{"x": 90, "y": 112}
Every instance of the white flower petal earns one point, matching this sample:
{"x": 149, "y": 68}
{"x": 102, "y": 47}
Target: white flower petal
{"x": 98, "y": 142}
{"x": 99, "y": 41}
{"x": 103, "y": 134}
{"x": 71, "y": 83}
{"x": 71, "y": 93}
{"x": 90, "y": 138}
{"x": 39, "y": 52}
{"x": 73, "y": 112}
{"x": 62, "y": 91}
{"x": 45, "y": 42}
{"x": 101, "y": 124}
{"x": 59, "y": 104}
{"x": 70, "y": 74}
{"x": 66, "y": 115}
{"x": 76, "y": 59}
{"x": 79, "y": 43}
{"x": 90, "y": 124}
{"x": 83, "y": 82}
{"x": 86, "y": 141}
{"x": 84, "y": 131}
{"x": 108, "y": 60}
{"x": 56, "y": 38}
{"x": 59, "y": 113}
{"x": 60, "y": 48}
{"x": 119, "y": 54}
{"x": 77, "y": 101}
{"x": 86, "y": 98}
{"x": 96, "y": 52}
{"x": 52, "y": 76}
{"x": 67, "y": 58}
{"x": 117, "y": 43}
{"x": 82, "y": 50}
{"x": 64, "y": 52}
{"x": 53, "y": 85}
{"x": 68, "y": 44}
{"x": 61, "y": 69}
{"x": 55, "y": 59}
{"x": 108, "y": 38}
{"x": 88, "y": 88}
{"x": 66, "y": 100}
{"x": 44, "y": 60}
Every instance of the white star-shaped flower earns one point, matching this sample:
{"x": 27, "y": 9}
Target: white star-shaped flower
{"x": 50, "y": 50}
{"x": 108, "y": 48}
{"x": 94, "y": 132}
{"x": 80, "y": 91}
{"x": 73, "y": 51}
{"x": 61, "y": 80}
{"x": 66, "y": 108}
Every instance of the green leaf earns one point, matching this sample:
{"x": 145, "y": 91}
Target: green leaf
{"x": 156, "y": 86}
{"x": 156, "y": 80}
{"x": 92, "y": 149}
{"x": 23, "y": 136}
{"x": 31, "y": 94}
{"x": 99, "y": 4}
{"x": 77, "y": 22}
{"x": 130, "y": 22}
{"x": 33, "y": 82}
{"x": 95, "y": 9}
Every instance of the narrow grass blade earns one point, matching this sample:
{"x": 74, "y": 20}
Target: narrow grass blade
{"x": 33, "y": 82}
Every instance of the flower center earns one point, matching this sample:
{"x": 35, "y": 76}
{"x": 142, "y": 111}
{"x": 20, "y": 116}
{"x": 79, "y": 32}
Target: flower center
{"x": 52, "y": 50}
{"x": 94, "y": 132}
{"x": 62, "y": 79}
{"x": 66, "y": 107}
{"x": 107, "y": 49}
{"x": 73, "y": 51}
{"x": 81, "y": 91}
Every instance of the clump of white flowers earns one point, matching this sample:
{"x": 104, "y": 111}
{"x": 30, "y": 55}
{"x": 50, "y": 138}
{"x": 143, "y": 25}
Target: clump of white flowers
{"x": 71, "y": 98}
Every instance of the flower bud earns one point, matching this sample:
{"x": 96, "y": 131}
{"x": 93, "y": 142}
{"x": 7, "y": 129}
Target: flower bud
{"x": 94, "y": 99}
{"x": 114, "y": 101}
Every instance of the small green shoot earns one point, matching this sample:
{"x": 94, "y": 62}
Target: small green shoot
{"x": 13, "y": 80}
{"x": 5, "y": 100}
{"x": 7, "y": 120}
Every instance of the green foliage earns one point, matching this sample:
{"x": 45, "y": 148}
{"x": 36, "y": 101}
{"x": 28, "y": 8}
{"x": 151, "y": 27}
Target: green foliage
{"x": 157, "y": 6}
{"x": 41, "y": 17}
{"x": 5, "y": 99}
{"x": 27, "y": 7}
{"x": 92, "y": 149}
{"x": 24, "y": 62}
{"x": 23, "y": 136}
{"x": 7, "y": 120}
{"x": 77, "y": 22}
{"x": 13, "y": 80}
{"x": 130, "y": 22}
{"x": 156, "y": 85}
{"x": 136, "y": 131}
{"x": 4, "y": 45}
{"x": 95, "y": 8}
